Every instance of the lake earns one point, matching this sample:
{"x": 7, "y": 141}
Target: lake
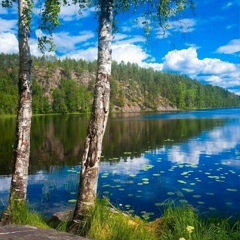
{"x": 148, "y": 160}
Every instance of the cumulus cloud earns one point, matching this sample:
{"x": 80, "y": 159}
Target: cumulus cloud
{"x": 65, "y": 42}
{"x": 7, "y": 25}
{"x": 129, "y": 53}
{"x": 8, "y": 43}
{"x": 183, "y": 60}
{"x": 70, "y": 13}
{"x": 209, "y": 70}
{"x": 187, "y": 61}
{"x": 125, "y": 49}
{"x": 89, "y": 54}
{"x": 232, "y": 47}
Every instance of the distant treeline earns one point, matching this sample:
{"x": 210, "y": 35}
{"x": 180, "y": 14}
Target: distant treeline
{"x": 130, "y": 84}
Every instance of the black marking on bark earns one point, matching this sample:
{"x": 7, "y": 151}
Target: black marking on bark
{"x": 91, "y": 159}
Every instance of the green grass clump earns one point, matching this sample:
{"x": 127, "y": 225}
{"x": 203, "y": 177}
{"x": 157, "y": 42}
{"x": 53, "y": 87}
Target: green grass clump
{"x": 107, "y": 223}
{"x": 23, "y": 215}
{"x": 185, "y": 223}
{"x": 104, "y": 224}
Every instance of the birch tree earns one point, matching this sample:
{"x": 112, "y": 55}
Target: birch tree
{"x": 162, "y": 11}
{"x": 18, "y": 191}
{"x": 19, "y": 182}
{"x": 100, "y": 110}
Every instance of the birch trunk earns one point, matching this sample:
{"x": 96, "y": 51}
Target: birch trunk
{"x": 98, "y": 121}
{"x": 18, "y": 192}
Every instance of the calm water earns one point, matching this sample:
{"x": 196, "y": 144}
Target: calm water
{"x": 148, "y": 159}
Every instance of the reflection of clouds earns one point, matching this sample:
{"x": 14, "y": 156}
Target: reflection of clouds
{"x": 210, "y": 143}
{"x": 231, "y": 162}
{"x": 39, "y": 177}
{"x": 5, "y": 184}
{"x": 125, "y": 167}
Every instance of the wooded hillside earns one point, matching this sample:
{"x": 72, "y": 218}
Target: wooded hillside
{"x": 66, "y": 86}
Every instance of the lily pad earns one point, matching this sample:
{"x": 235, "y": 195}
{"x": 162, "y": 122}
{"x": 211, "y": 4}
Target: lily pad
{"x": 196, "y": 196}
{"x": 132, "y": 175}
{"x": 187, "y": 190}
{"x": 212, "y": 208}
{"x": 231, "y": 190}
{"x": 210, "y": 194}
{"x": 181, "y": 181}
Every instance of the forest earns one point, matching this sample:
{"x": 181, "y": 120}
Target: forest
{"x": 67, "y": 86}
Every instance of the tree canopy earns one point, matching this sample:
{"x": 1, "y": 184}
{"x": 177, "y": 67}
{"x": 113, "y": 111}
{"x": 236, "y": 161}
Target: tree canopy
{"x": 129, "y": 81}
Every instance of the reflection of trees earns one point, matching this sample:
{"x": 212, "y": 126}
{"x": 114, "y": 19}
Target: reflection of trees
{"x": 137, "y": 136}
{"x": 58, "y": 140}
{"x": 7, "y": 140}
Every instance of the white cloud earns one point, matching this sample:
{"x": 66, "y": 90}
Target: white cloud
{"x": 232, "y": 47}
{"x": 35, "y": 50}
{"x": 213, "y": 71}
{"x": 126, "y": 29}
{"x": 65, "y": 43}
{"x": 7, "y": 25}
{"x": 89, "y": 54}
{"x": 183, "y": 60}
{"x": 187, "y": 61}
{"x": 227, "y": 5}
{"x": 155, "y": 66}
{"x": 123, "y": 49}
{"x": 183, "y": 25}
{"x": 161, "y": 33}
{"x": 70, "y": 13}
{"x": 8, "y": 43}
{"x": 216, "y": 66}
{"x": 13, "y": 9}
{"x": 3, "y": 10}
{"x": 127, "y": 39}
{"x": 129, "y": 53}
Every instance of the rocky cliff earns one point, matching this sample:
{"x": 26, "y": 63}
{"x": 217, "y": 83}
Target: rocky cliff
{"x": 128, "y": 95}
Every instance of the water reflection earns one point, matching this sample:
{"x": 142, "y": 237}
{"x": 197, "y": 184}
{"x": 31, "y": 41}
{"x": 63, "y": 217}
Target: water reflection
{"x": 193, "y": 158}
{"x": 214, "y": 142}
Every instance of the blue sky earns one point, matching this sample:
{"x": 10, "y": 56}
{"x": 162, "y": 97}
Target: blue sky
{"x": 204, "y": 46}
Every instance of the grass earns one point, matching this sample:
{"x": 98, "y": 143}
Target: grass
{"x": 186, "y": 223}
{"x": 177, "y": 223}
{"x": 104, "y": 224}
{"x": 23, "y": 215}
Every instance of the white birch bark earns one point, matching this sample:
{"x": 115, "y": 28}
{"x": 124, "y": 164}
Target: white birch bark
{"x": 98, "y": 121}
{"x": 18, "y": 192}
